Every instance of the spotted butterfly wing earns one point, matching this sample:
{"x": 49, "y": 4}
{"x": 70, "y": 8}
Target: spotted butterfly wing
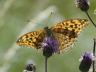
{"x": 67, "y": 31}
{"x": 32, "y": 39}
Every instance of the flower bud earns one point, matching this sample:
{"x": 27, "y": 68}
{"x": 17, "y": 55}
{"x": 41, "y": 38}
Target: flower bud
{"x": 30, "y": 68}
{"x": 82, "y": 4}
{"x": 86, "y": 62}
{"x": 49, "y": 46}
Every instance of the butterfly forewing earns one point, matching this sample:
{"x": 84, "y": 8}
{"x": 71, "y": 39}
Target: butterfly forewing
{"x": 31, "y": 39}
{"x": 72, "y": 25}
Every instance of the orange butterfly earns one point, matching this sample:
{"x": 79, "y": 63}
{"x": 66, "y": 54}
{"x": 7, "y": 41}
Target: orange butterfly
{"x": 64, "y": 32}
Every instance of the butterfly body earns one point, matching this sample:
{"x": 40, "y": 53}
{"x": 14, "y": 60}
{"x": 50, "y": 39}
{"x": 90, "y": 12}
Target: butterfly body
{"x": 48, "y": 31}
{"x": 65, "y": 33}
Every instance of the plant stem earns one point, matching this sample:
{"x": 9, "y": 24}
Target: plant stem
{"x": 94, "y": 55}
{"x": 46, "y": 58}
{"x": 90, "y": 18}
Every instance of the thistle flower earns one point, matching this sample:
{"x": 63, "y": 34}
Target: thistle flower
{"x": 30, "y": 68}
{"x": 50, "y": 46}
{"x": 86, "y": 62}
{"x": 82, "y": 4}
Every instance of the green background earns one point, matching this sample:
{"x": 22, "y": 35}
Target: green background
{"x": 15, "y": 15}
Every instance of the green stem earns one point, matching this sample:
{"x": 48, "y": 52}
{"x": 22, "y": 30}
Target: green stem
{"x": 46, "y": 58}
{"x": 94, "y": 55}
{"x": 90, "y": 18}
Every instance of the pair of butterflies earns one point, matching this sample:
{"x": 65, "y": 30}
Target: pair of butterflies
{"x": 64, "y": 32}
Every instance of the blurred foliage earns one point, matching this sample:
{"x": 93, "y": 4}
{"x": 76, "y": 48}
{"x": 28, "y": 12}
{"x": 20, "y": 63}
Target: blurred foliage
{"x": 15, "y": 16}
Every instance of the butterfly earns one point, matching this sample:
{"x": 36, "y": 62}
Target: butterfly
{"x": 64, "y": 32}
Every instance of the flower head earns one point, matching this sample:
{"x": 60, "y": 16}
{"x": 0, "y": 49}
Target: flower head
{"x": 30, "y": 68}
{"x": 82, "y": 4}
{"x": 86, "y": 62}
{"x": 87, "y": 56}
{"x": 50, "y": 46}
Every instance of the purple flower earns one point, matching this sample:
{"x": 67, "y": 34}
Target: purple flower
{"x": 87, "y": 56}
{"x": 30, "y": 67}
{"x": 50, "y": 46}
{"x": 86, "y": 62}
{"x": 82, "y": 4}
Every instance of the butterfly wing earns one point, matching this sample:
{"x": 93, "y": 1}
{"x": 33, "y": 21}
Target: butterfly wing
{"x": 67, "y": 31}
{"x": 69, "y": 26}
{"x": 31, "y": 39}
{"x": 63, "y": 41}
